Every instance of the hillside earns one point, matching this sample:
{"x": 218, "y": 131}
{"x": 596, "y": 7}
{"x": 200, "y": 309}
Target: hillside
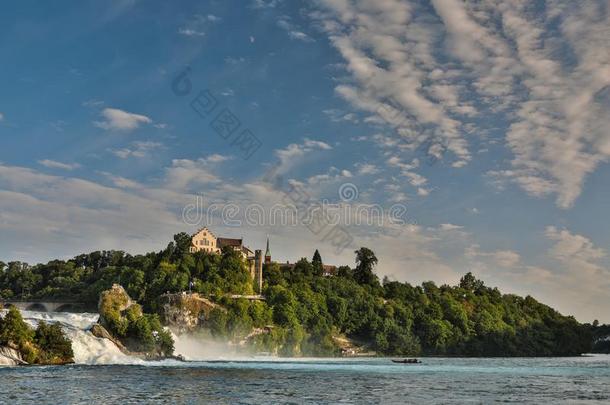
{"x": 306, "y": 309}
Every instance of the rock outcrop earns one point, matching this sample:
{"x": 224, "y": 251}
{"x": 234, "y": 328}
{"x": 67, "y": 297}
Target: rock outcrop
{"x": 123, "y": 322}
{"x": 186, "y": 312}
{"x": 113, "y": 305}
{"x": 99, "y": 331}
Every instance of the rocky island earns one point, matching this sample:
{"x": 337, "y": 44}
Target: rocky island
{"x": 20, "y": 344}
{"x": 133, "y": 332}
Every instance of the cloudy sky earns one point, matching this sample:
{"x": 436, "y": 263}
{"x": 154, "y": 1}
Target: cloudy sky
{"x": 483, "y": 128}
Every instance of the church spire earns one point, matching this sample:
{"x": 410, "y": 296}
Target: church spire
{"x": 267, "y": 252}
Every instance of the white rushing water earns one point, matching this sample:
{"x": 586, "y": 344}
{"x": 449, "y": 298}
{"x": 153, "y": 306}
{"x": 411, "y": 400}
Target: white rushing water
{"x": 92, "y": 350}
{"x": 87, "y": 348}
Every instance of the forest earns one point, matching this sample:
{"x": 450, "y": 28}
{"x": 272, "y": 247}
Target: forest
{"x": 305, "y": 311}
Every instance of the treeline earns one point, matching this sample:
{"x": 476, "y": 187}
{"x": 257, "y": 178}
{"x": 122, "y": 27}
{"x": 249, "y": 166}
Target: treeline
{"x": 306, "y": 309}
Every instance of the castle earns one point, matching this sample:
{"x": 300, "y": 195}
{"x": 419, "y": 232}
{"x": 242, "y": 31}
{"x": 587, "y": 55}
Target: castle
{"x": 205, "y": 241}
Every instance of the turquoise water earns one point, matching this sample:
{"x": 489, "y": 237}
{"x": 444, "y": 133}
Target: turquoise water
{"x": 437, "y": 380}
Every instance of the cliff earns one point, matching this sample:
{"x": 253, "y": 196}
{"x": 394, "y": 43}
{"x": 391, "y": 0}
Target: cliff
{"x": 186, "y": 312}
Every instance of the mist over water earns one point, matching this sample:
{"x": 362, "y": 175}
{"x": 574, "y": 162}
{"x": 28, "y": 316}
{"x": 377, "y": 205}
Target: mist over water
{"x": 203, "y": 347}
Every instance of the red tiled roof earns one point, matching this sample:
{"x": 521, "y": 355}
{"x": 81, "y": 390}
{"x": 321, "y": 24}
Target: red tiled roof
{"x": 222, "y": 242}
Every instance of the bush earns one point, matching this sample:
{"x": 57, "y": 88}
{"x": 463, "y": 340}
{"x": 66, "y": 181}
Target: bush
{"x": 46, "y": 345}
{"x": 13, "y": 329}
{"x": 55, "y": 347}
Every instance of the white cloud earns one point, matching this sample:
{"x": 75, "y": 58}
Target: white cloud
{"x": 188, "y": 175}
{"x": 367, "y": 169}
{"x": 576, "y": 251}
{"x": 212, "y": 18}
{"x": 503, "y": 258}
{"x": 389, "y": 57}
{"x": 58, "y": 165}
{"x": 293, "y": 154}
{"x": 189, "y": 32}
{"x": 138, "y": 149}
{"x": 119, "y": 120}
{"x": 333, "y": 175}
{"x": 1, "y": 117}
{"x": 293, "y": 32}
{"x": 450, "y": 227}
{"x": 336, "y": 115}
{"x": 262, "y": 4}
{"x": 92, "y": 103}
{"x": 545, "y": 72}
{"x": 217, "y": 158}
{"x": 423, "y": 192}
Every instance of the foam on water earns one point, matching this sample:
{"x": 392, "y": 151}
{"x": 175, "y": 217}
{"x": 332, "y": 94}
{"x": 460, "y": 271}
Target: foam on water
{"x": 87, "y": 348}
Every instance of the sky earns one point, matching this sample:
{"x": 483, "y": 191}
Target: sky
{"x": 446, "y": 136}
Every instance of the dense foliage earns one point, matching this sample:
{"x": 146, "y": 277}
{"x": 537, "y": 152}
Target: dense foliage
{"x": 601, "y": 338}
{"x": 305, "y": 312}
{"x": 47, "y": 344}
{"x": 125, "y": 320}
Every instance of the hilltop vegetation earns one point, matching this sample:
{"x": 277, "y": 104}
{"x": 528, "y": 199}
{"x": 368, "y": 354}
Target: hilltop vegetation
{"x": 306, "y": 310}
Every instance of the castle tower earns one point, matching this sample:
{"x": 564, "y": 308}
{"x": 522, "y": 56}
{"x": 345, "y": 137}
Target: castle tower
{"x": 258, "y": 271}
{"x": 267, "y": 253}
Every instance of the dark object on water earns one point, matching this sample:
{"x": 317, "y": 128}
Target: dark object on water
{"x": 407, "y": 361}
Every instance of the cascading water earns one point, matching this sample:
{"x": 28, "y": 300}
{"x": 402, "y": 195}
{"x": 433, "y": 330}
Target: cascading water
{"x": 92, "y": 350}
{"x": 87, "y": 348}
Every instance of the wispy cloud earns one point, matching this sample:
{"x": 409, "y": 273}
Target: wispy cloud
{"x": 576, "y": 251}
{"x": 367, "y": 169}
{"x": 450, "y": 227}
{"x": 543, "y": 75}
{"x": 93, "y": 103}
{"x": 293, "y": 31}
{"x": 262, "y": 4}
{"x": 503, "y": 258}
{"x": 138, "y": 149}
{"x": 189, "y": 32}
{"x": 119, "y": 120}
{"x": 53, "y": 164}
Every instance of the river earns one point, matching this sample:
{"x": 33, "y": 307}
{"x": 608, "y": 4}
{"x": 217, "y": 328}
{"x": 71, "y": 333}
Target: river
{"x": 105, "y": 375}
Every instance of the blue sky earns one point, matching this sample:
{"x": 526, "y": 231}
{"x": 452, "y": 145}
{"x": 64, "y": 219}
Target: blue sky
{"x": 488, "y": 123}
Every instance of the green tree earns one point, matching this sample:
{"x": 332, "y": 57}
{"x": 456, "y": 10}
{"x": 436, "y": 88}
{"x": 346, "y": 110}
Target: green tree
{"x": 55, "y": 346}
{"x": 365, "y": 263}
{"x": 13, "y": 329}
{"x": 316, "y": 262}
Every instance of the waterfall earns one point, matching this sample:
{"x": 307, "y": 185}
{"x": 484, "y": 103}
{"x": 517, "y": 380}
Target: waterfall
{"x": 91, "y": 350}
{"x": 87, "y": 348}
